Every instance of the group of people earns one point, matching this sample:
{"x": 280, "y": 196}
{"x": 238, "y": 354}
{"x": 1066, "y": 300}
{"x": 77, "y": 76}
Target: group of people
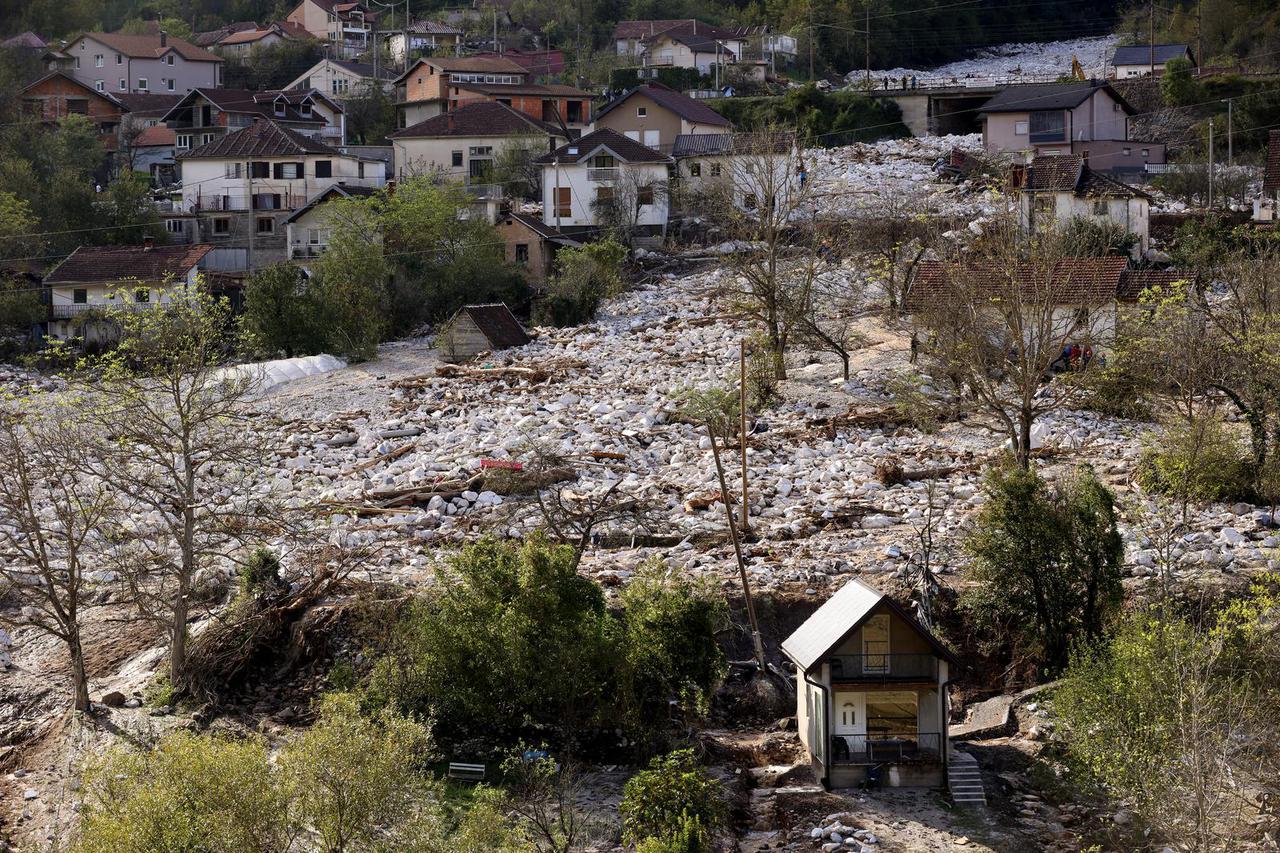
{"x": 1075, "y": 357}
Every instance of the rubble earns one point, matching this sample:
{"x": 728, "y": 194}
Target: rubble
{"x": 1006, "y": 62}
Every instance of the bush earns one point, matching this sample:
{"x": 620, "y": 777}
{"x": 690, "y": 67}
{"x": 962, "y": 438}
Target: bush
{"x": 283, "y": 314}
{"x": 515, "y": 645}
{"x": 1200, "y": 460}
{"x": 674, "y": 802}
{"x": 1045, "y": 562}
{"x": 823, "y": 119}
{"x": 260, "y": 573}
{"x": 1086, "y": 237}
{"x": 584, "y": 278}
{"x": 1177, "y": 86}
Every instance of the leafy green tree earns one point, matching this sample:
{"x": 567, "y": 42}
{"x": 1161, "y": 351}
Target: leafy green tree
{"x": 672, "y": 799}
{"x": 1045, "y": 562}
{"x": 1177, "y": 87}
{"x": 1083, "y": 236}
{"x": 371, "y": 115}
{"x": 127, "y": 206}
{"x": 283, "y": 313}
{"x": 350, "y": 279}
{"x": 585, "y": 276}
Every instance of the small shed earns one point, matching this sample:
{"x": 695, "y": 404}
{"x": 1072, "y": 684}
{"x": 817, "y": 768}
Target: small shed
{"x": 479, "y": 328}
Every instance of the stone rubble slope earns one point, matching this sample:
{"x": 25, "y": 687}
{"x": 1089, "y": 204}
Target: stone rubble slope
{"x": 1034, "y": 60}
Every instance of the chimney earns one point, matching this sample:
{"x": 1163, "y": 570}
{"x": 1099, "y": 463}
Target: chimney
{"x": 148, "y": 243}
{"x": 164, "y": 39}
{"x": 449, "y": 121}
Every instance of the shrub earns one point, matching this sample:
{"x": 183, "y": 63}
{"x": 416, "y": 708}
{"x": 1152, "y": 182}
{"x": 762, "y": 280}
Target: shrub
{"x": 1086, "y": 237}
{"x": 1177, "y": 86}
{"x": 1199, "y": 460}
{"x": 1045, "y": 562}
{"x": 260, "y": 573}
{"x": 673, "y": 801}
{"x": 584, "y": 278}
{"x": 282, "y": 313}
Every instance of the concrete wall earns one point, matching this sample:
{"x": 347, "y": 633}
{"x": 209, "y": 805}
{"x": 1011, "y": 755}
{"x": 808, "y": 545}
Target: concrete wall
{"x": 1100, "y": 117}
{"x": 205, "y": 180}
{"x": 435, "y": 154}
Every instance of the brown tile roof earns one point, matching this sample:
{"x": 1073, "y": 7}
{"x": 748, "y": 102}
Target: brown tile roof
{"x": 677, "y": 102}
{"x": 1070, "y": 173}
{"x": 626, "y": 150}
{"x": 1271, "y": 177}
{"x": 149, "y": 47}
{"x": 158, "y": 135}
{"x": 496, "y": 322}
{"x": 1133, "y": 282}
{"x": 465, "y": 64}
{"x": 105, "y": 264}
{"x": 263, "y": 138}
{"x": 487, "y": 118}
{"x": 556, "y": 90}
{"x": 246, "y": 36}
{"x": 140, "y": 103}
{"x": 211, "y": 37}
{"x": 259, "y": 103}
{"x": 1071, "y": 281}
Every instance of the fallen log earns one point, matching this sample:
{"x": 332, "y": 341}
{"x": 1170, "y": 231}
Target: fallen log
{"x": 528, "y": 374}
{"x": 385, "y": 457}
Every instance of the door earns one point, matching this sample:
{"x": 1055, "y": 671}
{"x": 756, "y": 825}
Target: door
{"x": 875, "y": 645}
{"x": 651, "y": 138}
{"x": 849, "y": 725}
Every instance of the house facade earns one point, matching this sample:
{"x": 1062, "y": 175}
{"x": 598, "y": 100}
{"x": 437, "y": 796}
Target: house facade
{"x": 1142, "y": 60}
{"x": 605, "y": 168}
{"x": 871, "y": 692}
{"x": 1266, "y": 206}
{"x": 152, "y": 151}
{"x": 239, "y": 190}
{"x": 654, "y": 115}
{"x": 1054, "y": 190}
{"x": 204, "y": 115}
{"x": 347, "y": 27}
{"x": 435, "y": 85}
{"x": 136, "y": 278}
{"x": 341, "y": 78}
{"x": 307, "y": 229}
{"x": 117, "y": 62}
{"x": 241, "y": 44}
{"x": 760, "y": 172}
{"x": 422, "y": 38}
{"x": 1085, "y": 117}
{"x": 58, "y": 95}
{"x": 462, "y": 145}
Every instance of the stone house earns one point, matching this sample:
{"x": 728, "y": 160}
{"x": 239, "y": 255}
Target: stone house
{"x": 57, "y": 95}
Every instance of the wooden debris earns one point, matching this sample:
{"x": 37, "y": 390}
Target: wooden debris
{"x": 531, "y": 375}
{"x": 385, "y": 457}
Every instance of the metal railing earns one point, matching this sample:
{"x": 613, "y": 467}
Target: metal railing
{"x": 603, "y": 175}
{"x": 64, "y": 311}
{"x": 891, "y": 748}
{"x": 883, "y": 667}
{"x": 307, "y": 250}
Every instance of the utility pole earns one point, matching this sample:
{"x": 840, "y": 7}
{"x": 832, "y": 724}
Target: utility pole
{"x": 717, "y": 65}
{"x": 742, "y": 413}
{"x": 496, "y": 49}
{"x": 1151, "y": 37}
{"x": 1230, "y": 151}
{"x": 253, "y": 220}
{"x": 1210, "y": 164}
{"x": 867, "y": 27}
{"x": 1200, "y": 39}
{"x": 811, "y": 40}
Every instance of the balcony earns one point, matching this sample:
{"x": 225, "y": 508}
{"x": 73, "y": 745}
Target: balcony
{"x": 910, "y": 747}
{"x": 307, "y": 250}
{"x": 883, "y": 668}
{"x": 65, "y": 310}
{"x": 601, "y": 176}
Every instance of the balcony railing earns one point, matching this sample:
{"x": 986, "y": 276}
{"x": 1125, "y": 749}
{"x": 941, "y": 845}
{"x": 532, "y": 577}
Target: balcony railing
{"x": 64, "y": 310}
{"x": 886, "y": 748}
{"x": 886, "y": 667}
{"x": 603, "y": 175}
{"x": 308, "y": 250}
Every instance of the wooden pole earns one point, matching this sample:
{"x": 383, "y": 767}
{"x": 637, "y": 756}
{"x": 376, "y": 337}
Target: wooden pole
{"x": 742, "y": 412}
{"x": 867, "y": 37}
{"x": 737, "y": 552}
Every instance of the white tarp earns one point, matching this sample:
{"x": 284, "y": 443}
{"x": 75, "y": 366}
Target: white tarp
{"x": 269, "y": 374}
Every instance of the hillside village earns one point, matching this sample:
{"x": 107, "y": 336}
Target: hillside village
{"x": 442, "y": 433}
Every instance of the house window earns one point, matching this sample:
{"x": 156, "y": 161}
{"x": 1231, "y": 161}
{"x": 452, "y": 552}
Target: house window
{"x": 1127, "y": 151}
{"x": 288, "y": 171}
{"x": 222, "y": 226}
{"x": 644, "y": 196}
{"x": 522, "y": 253}
{"x": 360, "y": 169}
{"x": 119, "y": 59}
{"x": 1146, "y": 152}
{"x": 715, "y": 170}
{"x": 97, "y": 60}
{"x": 317, "y": 236}
{"x": 259, "y": 169}
{"x": 169, "y": 84}
{"x": 457, "y": 159}
{"x": 235, "y": 170}
{"x": 604, "y": 194}
{"x": 77, "y": 62}
{"x": 641, "y": 112}
{"x": 169, "y": 59}
{"x": 1100, "y": 207}
{"x": 174, "y": 226}
{"x": 80, "y": 296}
{"x": 564, "y": 198}
{"x": 279, "y": 108}
{"x": 206, "y": 139}
{"x": 1048, "y": 126}
{"x": 266, "y": 225}
{"x": 142, "y": 83}
{"x": 305, "y": 109}
{"x": 124, "y": 84}
{"x": 142, "y": 294}
{"x": 78, "y": 106}
{"x": 182, "y": 140}
{"x": 1020, "y": 128}
{"x": 324, "y": 168}
{"x": 749, "y": 201}
{"x": 99, "y": 85}
{"x": 695, "y": 170}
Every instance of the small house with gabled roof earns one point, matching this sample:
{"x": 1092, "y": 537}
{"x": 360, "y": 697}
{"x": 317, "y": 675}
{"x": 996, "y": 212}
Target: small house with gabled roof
{"x": 1052, "y": 191}
{"x": 654, "y": 115}
{"x": 479, "y": 328}
{"x": 1140, "y": 60}
{"x": 871, "y": 691}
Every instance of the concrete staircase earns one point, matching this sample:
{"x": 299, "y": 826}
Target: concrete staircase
{"x": 965, "y": 780}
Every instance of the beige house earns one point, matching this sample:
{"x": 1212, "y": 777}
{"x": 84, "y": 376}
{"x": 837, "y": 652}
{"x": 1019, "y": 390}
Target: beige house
{"x": 1080, "y": 117}
{"x": 463, "y": 145}
{"x": 136, "y": 278}
{"x": 160, "y": 63}
{"x": 348, "y": 27}
{"x": 871, "y": 692}
{"x": 341, "y": 78}
{"x": 654, "y": 115}
{"x": 1052, "y": 191}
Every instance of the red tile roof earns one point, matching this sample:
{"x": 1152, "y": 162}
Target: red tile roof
{"x": 158, "y": 135}
{"x": 106, "y": 264}
{"x": 1070, "y": 281}
{"x": 1133, "y": 282}
{"x": 149, "y": 47}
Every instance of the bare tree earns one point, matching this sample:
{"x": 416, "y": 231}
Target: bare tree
{"x": 544, "y": 796}
{"x": 759, "y": 202}
{"x": 925, "y": 586}
{"x": 183, "y": 455}
{"x": 893, "y": 236}
{"x": 998, "y": 324}
{"x": 52, "y": 520}
{"x": 620, "y": 206}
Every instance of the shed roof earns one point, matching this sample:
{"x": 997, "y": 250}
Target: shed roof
{"x": 1071, "y": 173}
{"x": 496, "y": 322}
{"x": 839, "y": 617}
{"x": 1140, "y": 54}
{"x": 625, "y": 149}
{"x": 105, "y": 264}
{"x": 1050, "y": 96}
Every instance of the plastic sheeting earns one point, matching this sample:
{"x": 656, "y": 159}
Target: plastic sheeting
{"x": 270, "y": 374}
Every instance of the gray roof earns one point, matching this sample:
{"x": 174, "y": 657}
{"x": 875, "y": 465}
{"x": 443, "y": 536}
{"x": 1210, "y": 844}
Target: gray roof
{"x": 835, "y": 620}
{"x": 703, "y": 144}
{"x": 1140, "y": 54}
{"x": 334, "y": 191}
{"x": 625, "y": 149}
{"x": 1049, "y": 96}
{"x": 496, "y": 322}
{"x": 682, "y": 105}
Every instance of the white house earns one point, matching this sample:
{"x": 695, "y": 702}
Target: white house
{"x": 755, "y": 166}
{"x": 423, "y": 37}
{"x": 160, "y": 63}
{"x": 1267, "y": 204}
{"x": 1054, "y": 190}
{"x": 462, "y": 145}
{"x": 871, "y": 692}
{"x": 103, "y": 277}
{"x": 341, "y": 78}
{"x": 347, "y": 26}
{"x": 603, "y": 167}
{"x": 242, "y": 187}
{"x": 1139, "y": 60}
{"x": 307, "y": 229}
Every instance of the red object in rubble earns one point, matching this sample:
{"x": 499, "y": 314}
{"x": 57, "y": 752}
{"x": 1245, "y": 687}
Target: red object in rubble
{"x": 501, "y": 463}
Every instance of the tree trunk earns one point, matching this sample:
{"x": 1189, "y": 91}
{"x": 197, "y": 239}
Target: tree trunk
{"x": 79, "y": 680}
{"x": 1023, "y": 443}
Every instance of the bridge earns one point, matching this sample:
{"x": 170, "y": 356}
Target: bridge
{"x": 935, "y": 106}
